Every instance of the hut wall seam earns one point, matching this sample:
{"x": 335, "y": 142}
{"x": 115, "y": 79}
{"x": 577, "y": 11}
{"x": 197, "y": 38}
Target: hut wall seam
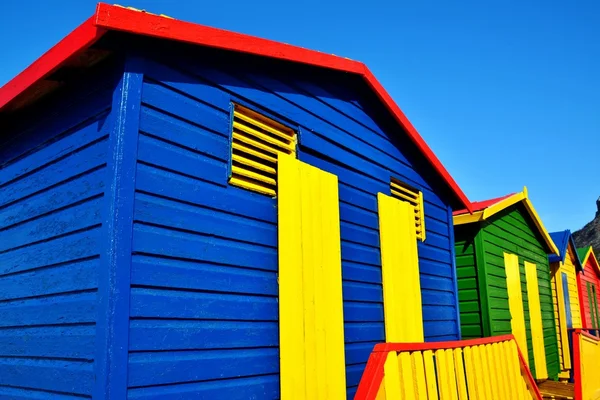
{"x": 114, "y": 284}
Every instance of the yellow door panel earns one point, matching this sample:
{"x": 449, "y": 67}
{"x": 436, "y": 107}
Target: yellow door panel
{"x": 310, "y": 283}
{"x": 515, "y": 300}
{"x": 400, "y": 271}
{"x": 535, "y": 318}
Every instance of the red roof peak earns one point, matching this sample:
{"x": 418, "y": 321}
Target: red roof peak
{"x": 32, "y": 83}
{"x": 482, "y": 205}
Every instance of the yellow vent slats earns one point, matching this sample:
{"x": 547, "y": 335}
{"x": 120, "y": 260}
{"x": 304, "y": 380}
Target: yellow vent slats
{"x": 249, "y": 151}
{"x": 263, "y": 137}
{"x": 256, "y": 143}
{"x": 254, "y": 164}
{"x": 415, "y": 199}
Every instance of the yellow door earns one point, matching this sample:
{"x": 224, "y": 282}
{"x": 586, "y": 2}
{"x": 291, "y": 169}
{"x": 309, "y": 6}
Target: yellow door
{"x": 311, "y": 321}
{"x": 515, "y": 301}
{"x": 535, "y": 320}
{"x": 402, "y": 306}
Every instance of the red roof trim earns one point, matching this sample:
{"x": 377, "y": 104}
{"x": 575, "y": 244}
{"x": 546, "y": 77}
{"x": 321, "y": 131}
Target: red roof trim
{"x": 414, "y": 135}
{"x": 591, "y": 259}
{"x": 482, "y": 205}
{"x": 117, "y": 18}
{"x": 141, "y": 23}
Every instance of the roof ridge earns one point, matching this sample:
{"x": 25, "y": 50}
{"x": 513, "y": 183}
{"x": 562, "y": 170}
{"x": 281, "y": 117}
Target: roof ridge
{"x": 118, "y": 18}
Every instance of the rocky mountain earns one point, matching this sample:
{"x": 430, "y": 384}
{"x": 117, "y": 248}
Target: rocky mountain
{"x": 590, "y": 233}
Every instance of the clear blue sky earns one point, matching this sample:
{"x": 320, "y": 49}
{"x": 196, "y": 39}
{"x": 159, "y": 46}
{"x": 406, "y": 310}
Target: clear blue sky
{"x": 507, "y": 93}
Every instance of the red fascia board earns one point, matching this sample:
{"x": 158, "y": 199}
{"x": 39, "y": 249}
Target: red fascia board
{"x": 122, "y": 19}
{"x": 142, "y": 23}
{"x": 78, "y": 40}
{"x": 594, "y": 262}
{"x": 117, "y": 18}
{"x": 414, "y": 135}
{"x": 482, "y": 205}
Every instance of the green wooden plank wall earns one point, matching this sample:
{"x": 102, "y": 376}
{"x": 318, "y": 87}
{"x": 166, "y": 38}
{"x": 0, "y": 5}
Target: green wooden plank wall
{"x": 512, "y": 231}
{"x": 468, "y": 290}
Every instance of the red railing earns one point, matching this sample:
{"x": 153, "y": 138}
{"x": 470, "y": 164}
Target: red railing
{"x": 468, "y": 369}
{"x": 586, "y": 364}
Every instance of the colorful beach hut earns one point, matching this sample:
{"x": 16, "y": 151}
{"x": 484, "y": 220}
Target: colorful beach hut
{"x": 193, "y": 213}
{"x": 564, "y": 268}
{"x": 588, "y": 283}
{"x": 504, "y": 277}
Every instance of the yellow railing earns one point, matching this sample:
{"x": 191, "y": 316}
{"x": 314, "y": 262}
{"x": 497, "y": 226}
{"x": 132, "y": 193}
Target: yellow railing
{"x": 480, "y": 369}
{"x": 586, "y": 365}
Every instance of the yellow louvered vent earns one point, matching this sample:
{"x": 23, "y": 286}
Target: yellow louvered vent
{"x": 256, "y": 141}
{"x": 415, "y": 198}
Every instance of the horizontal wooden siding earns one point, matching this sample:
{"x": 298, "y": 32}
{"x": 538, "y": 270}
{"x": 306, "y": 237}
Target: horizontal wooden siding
{"x": 469, "y": 291}
{"x": 205, "y": 253}
{"x": 512, "y": 232}
{"x": 52, "y": 181}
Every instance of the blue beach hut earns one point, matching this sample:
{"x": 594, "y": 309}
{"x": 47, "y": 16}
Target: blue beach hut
{"x": 193, "y": 213}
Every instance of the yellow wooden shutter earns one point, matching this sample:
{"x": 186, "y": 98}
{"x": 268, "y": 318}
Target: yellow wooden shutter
{"x": 515, "y": 301}
{"x": 413, "y": 197}
{"x": 311, "y": 321}
{"x": 535, "y": 320}
{"x": 256, "y": 142}
{"x": 402, "y": 305}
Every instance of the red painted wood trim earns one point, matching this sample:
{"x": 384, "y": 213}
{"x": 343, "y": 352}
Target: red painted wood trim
{"x": 414, "y": 135}
{"x": 387, "y": 347}
{"x": 594, "y": 261}
{"x": 140, "y": 23}
{"x": 372, "y": 377}
{"x": 528, "y": 375}
{"x": 577, "y": 366}
{"x": 586, "y": 334}
{"x": 116, "y": 18}
{"x": 78, "y": 40}
{"x": 583, "y": 310}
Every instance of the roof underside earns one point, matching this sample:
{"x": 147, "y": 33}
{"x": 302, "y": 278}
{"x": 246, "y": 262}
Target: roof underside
{"x": 76, "y": 51}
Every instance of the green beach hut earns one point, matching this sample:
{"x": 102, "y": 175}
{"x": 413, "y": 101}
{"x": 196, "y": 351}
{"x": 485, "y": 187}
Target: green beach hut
{"x": 504, "y": 282}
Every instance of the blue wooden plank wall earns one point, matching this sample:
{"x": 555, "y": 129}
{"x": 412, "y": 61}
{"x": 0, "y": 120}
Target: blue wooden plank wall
{"x": 204, "y": 272}
{"x": 52, "y": 179}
